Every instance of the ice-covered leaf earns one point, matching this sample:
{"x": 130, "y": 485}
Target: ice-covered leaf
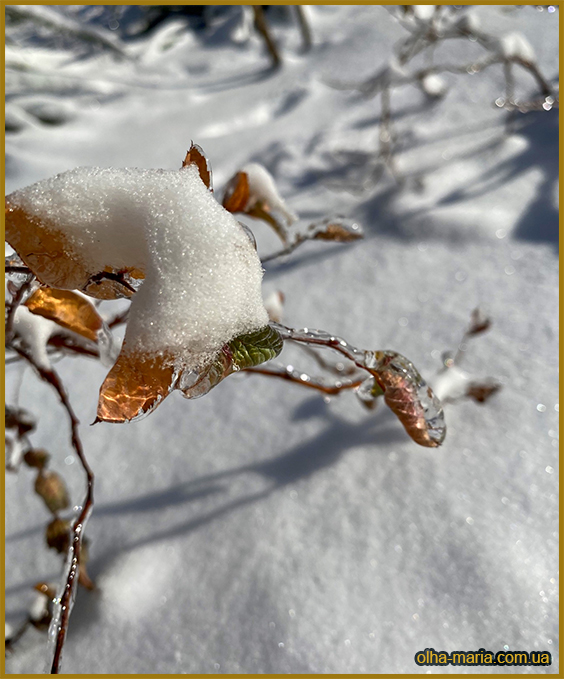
{"x": 405, "y": 392}
{"x": 255, "y": 348}
{"x": 68, "y": 309}
{"x": 137, "y": 384}
{"x": 134, "y": 386}
{"x": 196, "y": 156}
{"x": 408, "y": 395}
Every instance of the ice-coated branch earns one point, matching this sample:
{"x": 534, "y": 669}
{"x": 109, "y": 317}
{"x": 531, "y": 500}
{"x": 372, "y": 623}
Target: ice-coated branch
{"x": 405, "y": 392}
{"x": 290, "y": 374}
{"x": 64, "y": 603}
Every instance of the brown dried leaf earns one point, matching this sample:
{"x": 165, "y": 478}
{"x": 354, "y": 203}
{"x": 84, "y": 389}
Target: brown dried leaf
{"x": 18, "y": 418}
{"x": 37, "y": 458}
{"x": 338, "y": 233}
{"x": 57, "y": 535}
{"x": 237, "y": 193}
{"x": 478, "y": 323}
{"x": 482, "y": 392}
{"x": 196, "y": 155}
{"x": 51, "y": 487}
{"x": 68, "y": 309}
{"x": 134, "y": 386}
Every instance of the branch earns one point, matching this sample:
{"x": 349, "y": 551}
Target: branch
{"x": 16, "y": 301}
{"x": 65, "y": 602}
{"x": 292, "y": 375}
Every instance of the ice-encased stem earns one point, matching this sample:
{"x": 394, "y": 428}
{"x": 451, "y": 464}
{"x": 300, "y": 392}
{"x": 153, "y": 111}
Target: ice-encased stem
{"x": 405, "y": 392}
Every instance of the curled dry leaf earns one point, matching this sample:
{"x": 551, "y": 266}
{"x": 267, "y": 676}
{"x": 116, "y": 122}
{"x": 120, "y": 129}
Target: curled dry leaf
{"x": 196, "y": 156}
{"x": 36, "y": 458}
{"x": 337, "y": 229}
{"x": 253, "y": 191}
{"x": 67, "y": 309}
{"x": 237, "y": 193}
{"x": 57, "y": 535}
{"x": 51, "y": 488}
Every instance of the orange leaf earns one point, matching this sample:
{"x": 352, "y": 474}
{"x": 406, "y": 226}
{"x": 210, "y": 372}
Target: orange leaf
{"x": 134, "y": 386}
{"x": 68, "y": 309}
{"x": 237, "y": 193}
{"x": 197, "y": 156}
{"x": 57, "y": 262}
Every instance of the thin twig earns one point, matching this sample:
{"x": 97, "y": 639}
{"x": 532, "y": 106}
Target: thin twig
{"x": 16, "y": 301}
{"x": 75, "y": 543}
{"x": 304, "y": 380}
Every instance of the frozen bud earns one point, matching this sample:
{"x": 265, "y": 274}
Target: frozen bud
{"x": 51, "y": 487}
{"x": 37, "y": 458}
{"x": 57, "y": 535}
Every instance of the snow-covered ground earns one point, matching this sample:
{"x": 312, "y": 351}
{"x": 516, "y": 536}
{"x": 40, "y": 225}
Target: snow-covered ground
{"x": 262, "y": 529}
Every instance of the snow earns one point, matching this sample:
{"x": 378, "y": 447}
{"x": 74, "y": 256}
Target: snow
{"x": 203, "y": 277}
{"x": 262, "y": 529}
{"x": 262, "y": 188}
{"x": 36, "y": 331}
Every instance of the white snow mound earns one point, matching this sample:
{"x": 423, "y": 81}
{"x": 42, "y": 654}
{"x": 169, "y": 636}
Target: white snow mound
{"x": 203, "y": 276}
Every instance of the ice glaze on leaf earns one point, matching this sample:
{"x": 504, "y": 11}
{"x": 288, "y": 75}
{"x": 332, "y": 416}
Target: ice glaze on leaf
{"x": 137, "y": 384}
{"x": 255, "y": 348}
{"x": 69, "y": 310}
{"x": 133, "y": 387}
{"x": 197, "y": 156}
{"x": 409, "y": 397}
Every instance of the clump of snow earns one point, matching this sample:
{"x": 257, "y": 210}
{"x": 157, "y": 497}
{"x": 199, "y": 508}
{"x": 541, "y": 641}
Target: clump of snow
{"x": 262, "y": 188}
{"x": 274, "y": 305}
{"x": 433, "y": 85}
{"x": 516, "y": 46}
{"x": 202, "y": 275}
{"x": 424, "y": 12}
{"x": 35, "y": 331}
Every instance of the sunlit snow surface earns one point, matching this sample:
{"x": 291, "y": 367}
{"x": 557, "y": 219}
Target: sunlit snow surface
{"x": 261, "y": 529}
